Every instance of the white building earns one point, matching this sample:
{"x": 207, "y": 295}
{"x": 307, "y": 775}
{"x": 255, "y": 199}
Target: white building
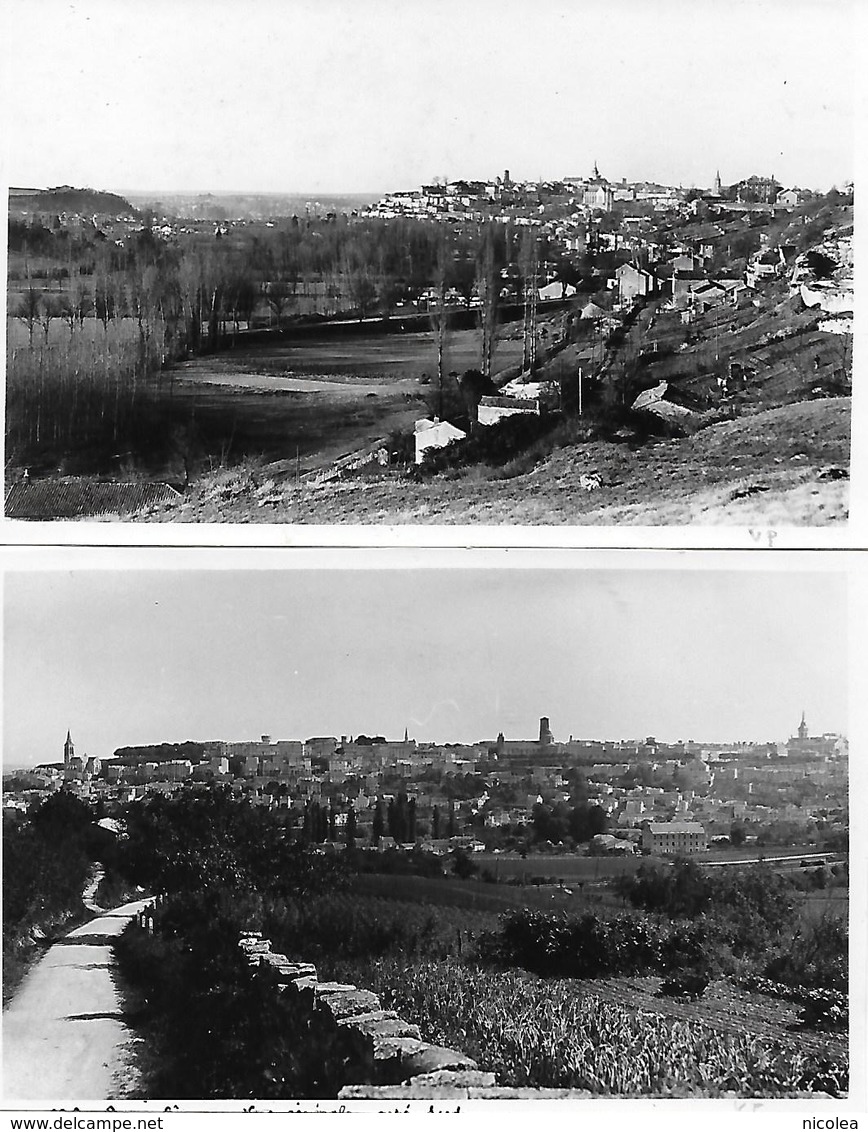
{"x": 434, "y": 434}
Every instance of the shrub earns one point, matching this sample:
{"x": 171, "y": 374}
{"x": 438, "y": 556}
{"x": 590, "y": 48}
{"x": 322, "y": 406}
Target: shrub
{"x": 692, "y": 984}
{"x": 825, "y": 1014}
{"x": 816, "y": 957}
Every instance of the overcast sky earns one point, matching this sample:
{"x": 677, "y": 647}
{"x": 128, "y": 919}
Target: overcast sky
{"x": 123, "y": 657}
{"x": 342, "y": 95}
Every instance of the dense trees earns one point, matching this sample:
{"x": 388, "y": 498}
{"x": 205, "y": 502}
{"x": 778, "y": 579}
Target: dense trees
{"x": 560, "y": 821}
{"x": 212, "y": 842}
{"x": 226, "y": 865}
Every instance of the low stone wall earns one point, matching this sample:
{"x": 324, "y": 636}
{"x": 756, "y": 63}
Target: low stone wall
{"x": 370, "y": 1052}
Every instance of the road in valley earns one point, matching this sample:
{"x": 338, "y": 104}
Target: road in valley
{"x": 64, "y": 1034}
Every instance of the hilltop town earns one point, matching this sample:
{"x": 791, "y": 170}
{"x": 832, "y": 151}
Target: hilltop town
{"x": 305, "y": 350}
{"x": 618, "y": 797}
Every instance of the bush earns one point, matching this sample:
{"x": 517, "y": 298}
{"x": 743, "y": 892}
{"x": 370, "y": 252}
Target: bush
{"x": 495, "y": 445}
{"x": 825, "y": 1014}
{"x": 691, "y": 984}
{"x": 217, "y": 1029}
{"x": 816, "y": 957}
{"x": 748, "y": 909}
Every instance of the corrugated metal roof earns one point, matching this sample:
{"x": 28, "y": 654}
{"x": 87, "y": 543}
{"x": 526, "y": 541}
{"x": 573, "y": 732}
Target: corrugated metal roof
{"x": 77, "y": 499}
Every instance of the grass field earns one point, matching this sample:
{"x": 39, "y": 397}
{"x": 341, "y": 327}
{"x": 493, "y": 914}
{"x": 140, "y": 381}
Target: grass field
{"x": 317, "y": 399}
{"x": 305, "y": 402}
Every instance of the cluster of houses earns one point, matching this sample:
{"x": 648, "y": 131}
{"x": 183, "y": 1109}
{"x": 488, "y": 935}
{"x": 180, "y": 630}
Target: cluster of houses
{"x": 663, "y": 797}
{"x": 522, "y": 202}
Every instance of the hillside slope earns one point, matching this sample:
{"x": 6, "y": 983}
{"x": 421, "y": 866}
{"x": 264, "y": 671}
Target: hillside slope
{"x": 65, "y": 198}
{"x": 785, "y": 466}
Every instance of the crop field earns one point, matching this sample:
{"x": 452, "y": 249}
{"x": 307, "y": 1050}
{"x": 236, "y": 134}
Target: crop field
{"x": 723, "y": 1007}
{"x": 611, "y": 1037}
{"x": 477, "y": 896}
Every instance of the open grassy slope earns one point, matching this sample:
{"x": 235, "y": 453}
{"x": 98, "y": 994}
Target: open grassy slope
{"x": 784, "y": 466}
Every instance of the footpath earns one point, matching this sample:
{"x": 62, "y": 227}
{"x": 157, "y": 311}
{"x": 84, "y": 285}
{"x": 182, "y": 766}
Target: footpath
{"x": 64, "y": 1034}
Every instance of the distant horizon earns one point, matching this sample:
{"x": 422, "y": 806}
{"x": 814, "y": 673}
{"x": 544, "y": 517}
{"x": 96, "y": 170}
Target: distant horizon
{"x": 126, "y": 191}
{"x": 126, "y": 657}
{"x": 389, "y": 94}
{"x": 422, "y": 741}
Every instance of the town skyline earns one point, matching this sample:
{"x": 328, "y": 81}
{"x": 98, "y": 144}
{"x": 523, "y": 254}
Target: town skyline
{"x": 584, "y": 171}
{"x": 353, "y": 737}
{"x": 367, "y": 106}
{"x": 451, "y": 655}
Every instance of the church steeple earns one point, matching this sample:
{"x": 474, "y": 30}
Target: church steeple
{"x": 717, "y": 186}
{"x": 68, "y": 750}
{"x": 803, "y": 727}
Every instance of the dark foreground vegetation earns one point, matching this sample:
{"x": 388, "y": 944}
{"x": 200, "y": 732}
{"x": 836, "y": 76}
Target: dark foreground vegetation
{"x": 47, "y": 858}
{"x": 708, "y": 994}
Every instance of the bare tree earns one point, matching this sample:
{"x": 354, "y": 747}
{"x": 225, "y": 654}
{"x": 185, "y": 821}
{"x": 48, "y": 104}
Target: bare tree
{"x": 49, "y": 310}
{"x": 27, "y": 309}
{"x": 489, "y": 282}
{"x": 439, "y": 317}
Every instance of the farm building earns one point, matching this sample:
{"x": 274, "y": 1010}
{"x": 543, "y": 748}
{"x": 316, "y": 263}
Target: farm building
{"x": 434, "y": 434}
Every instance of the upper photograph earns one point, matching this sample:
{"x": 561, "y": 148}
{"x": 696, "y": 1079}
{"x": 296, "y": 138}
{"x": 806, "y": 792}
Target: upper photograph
{"x": 476, "y": 264}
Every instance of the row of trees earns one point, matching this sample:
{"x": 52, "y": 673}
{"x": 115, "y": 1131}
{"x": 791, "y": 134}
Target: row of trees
{"x": 87, "y": 373}
{"x": 396, "y": 819}
{"x": 319, "y": 267}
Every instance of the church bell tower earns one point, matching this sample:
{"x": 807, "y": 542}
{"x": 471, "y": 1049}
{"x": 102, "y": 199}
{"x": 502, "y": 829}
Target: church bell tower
{"x": 803, "y": 729}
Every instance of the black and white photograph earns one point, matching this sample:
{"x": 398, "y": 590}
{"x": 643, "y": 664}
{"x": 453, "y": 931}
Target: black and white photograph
{"x": 524, "y": 827}
{"x": 433, "y": 564}
{"x": 381, "y": 263}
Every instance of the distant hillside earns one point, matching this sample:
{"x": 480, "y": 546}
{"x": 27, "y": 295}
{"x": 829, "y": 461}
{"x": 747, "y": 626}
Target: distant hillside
{"x": 249, "y": 206}
{"x": 65, "y": 198}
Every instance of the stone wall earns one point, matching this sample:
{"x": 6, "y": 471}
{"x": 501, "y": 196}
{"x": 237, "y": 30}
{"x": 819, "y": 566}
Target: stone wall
{"x": 372, "y": 1053}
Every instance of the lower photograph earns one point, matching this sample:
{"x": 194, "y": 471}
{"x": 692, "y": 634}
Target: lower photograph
{"x": 421, "y": 825}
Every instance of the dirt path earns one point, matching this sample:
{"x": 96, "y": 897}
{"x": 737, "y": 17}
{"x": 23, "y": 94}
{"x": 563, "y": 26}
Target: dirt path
{"x": 64, "y": 1032}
